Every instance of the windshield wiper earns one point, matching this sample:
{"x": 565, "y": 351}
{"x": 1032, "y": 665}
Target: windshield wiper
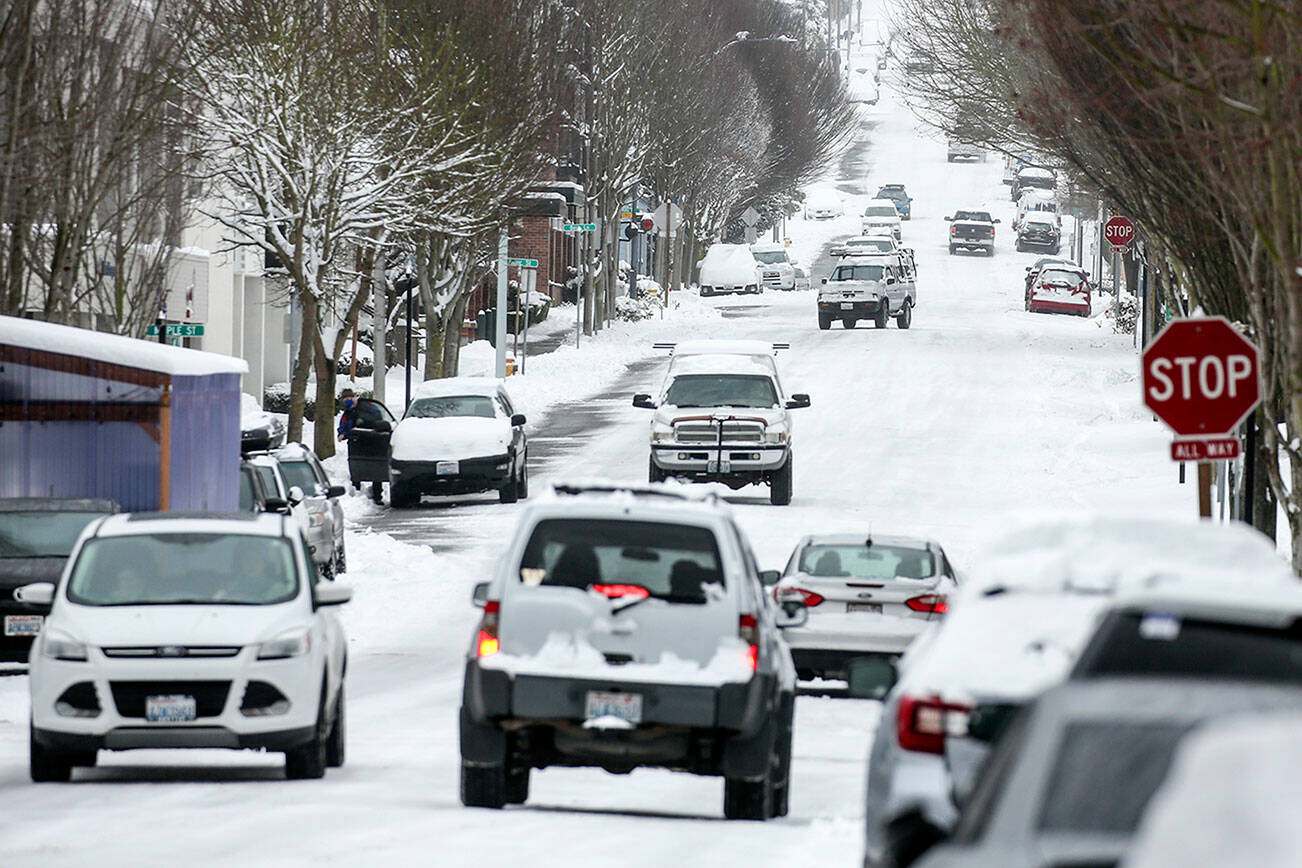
{"x": 615, "y": 610}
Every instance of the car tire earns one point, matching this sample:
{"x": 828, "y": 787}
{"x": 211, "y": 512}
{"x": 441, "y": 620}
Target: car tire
{"x": 654, "y": 473}
{"x": 824, "y": 322}
{"x": 517, "y": 786}
{"x": 524, "y": 477}
{"x": 949, "y": 158}
{"x": 782, "y": 785}
{"x": 401, "y": 497}
{"x": 335, "y": 745}
{"x": 510, "y": 492}
{"x": 908, "y": 838}
{"x": 483, "y": 786}
{"x": 341, "y": 559}
{"x": 952, "y": 250}
{"x": 883, "y": 315}
{"x": 904, "y": 318}
{"x": 849, "y": 323}
{"x": 49, "y": 766}
{"x": 748, "y": 800}
{"x": 780, "y": 484}
{"x": 308, "y": 761}
{"x": 327, "y": 569}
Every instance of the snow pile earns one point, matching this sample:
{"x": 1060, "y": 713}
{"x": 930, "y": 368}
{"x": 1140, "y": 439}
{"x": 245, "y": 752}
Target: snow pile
{"x": 570, "y": 654}
{"x": 1232, "y": 799}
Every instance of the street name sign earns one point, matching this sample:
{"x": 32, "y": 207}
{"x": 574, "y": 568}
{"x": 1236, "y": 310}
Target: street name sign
{"x": 178, "y": 330}
{"x": 1119, "y": 232}
{"x": 522, "y": 263}
{"x": 1200, "y": 377}
{"x": 580, "y": 227}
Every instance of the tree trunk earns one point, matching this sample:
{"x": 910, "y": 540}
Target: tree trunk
{"x": 1263, "y": 498}
{"x": 302, "y": 367}
{"x": 379, "y": 325}
{"x": 452, "y": 337}
{"x": 324, "y": 429}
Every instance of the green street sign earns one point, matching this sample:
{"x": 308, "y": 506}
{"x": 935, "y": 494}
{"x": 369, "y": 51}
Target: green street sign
{"x": 580, "y": 227}
{"x": 523, "y": 263}
{"x": 178, "y": 330}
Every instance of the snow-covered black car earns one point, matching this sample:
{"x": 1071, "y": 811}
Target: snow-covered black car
{"x": 627, "y": 628}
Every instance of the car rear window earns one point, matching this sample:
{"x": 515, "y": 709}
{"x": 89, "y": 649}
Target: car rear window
{"x": 860, "y": 561}
{"x": 299, "y": 473}
{"x": 1105, "y": 773}
{"x": 670, "y": 561}
{"x": 1135, "y": 643}
{"x": 41, "y": 533}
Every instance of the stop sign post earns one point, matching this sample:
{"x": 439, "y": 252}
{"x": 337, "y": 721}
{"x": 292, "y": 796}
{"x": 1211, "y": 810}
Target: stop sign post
{"x": 1200, "y": 378}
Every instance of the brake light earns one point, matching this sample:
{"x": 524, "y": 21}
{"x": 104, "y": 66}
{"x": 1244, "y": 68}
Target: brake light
{"x": 748, "y": 630}
{"x": 932, "y": 604}
{"x": 922, "y": 724}
{"x": 953, "y": 230}
{"x": 809, "y": 597}
{"x": 486, "y": 643}
{"x": 637, "y": 591}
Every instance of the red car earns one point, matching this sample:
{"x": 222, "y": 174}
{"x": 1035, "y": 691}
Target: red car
{"x": 1059, "y": 289}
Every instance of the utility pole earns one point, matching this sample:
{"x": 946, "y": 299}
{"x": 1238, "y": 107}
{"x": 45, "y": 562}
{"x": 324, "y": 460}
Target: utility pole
{"x": 499, "y": 321}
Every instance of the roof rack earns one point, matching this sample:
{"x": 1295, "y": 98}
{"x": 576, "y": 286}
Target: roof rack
{"x": 647, "y": 490}
{"x": 777, "y": 346}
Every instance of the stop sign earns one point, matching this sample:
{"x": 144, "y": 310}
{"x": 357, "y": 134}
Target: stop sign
{"x": 1200, "y": 377}
{"x": 1119, "y": 232}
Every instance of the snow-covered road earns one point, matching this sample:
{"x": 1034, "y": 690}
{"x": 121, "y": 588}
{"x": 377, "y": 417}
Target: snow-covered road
{"x": 978, "y": 412}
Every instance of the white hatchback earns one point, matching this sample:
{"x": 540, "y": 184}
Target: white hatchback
{"x": 188, "y": 631}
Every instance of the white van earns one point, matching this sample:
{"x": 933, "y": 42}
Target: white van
{"x": 730, "y": 268}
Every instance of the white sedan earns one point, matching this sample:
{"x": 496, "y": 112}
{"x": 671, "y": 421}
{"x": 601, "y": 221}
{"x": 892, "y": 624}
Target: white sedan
{"x": 188, "y": 632}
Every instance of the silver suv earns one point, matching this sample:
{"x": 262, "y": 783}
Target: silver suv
{"x": 629, "y": 627}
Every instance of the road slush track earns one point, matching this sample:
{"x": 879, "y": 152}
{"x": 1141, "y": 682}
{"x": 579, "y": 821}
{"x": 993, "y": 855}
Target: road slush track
{"x": 980, "y": 410}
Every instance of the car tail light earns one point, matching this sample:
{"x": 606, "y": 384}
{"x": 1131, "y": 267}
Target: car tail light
{"x": 809, "y": 597}
{"x": 487, "y": 643}
{"x": 748, "y": 630}
{"x": 953, "y": 230}
{"x": 922, "y": 724}
{"x": 932, "y": 604}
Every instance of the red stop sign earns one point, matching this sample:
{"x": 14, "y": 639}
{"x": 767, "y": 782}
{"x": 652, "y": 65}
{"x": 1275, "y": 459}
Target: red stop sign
{"x": 1200, "y": 377}
{"x": 1119, "y": 232}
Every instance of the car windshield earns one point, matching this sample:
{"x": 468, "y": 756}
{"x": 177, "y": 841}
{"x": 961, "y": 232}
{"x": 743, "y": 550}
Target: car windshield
{"x": 772, "y": 257}
{"x": 722, "y": 390}
{"x": 1104, "y": 775}
{"x": 974, "y": 216}
{"x": 859, "y": 561}
{"x": 882, "y": 245}
{"x": 299, "y": 473}
{"x": 860, "y": 272}
{"x": 669, "y": 561}
{"x": 1163, "y": 645}
{"x": 451, "y": 405}
{"x": 41, "y": 534}
{"x": 184, "y": 568}
{"x": 1052, "y": 277}
{"x": 881, "y": 211}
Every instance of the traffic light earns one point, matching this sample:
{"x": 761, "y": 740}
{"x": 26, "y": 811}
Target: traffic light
{"x": 648, "y": 223}
{"x": 631, "y": 231}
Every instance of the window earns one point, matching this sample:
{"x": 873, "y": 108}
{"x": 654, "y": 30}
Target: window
{"x": 450, "y": 406}
{"x": 974, "y": 216}
{"x": 877, "y": 245}
{"x": 860, "y": 561}
{"x": 269, "y": 480}
{"x": 771, "y": 258}
{"x": 722, "y": 390}
{"x": 183, "y": 568}
{"x": 299, "y": 473}
{"x": 671, "y": 562}
{"x": 881, "y": 211}
{"x": 860, "y": 272}
{"x": 41, "y": 534}
{"x": 248, "y": 497}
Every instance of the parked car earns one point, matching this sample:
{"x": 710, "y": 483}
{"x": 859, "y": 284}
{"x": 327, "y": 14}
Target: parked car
{"x": 1059, "y": 288}
{"x": 972, "y": 230}
{"x": 460, "y": 435}
{"x": 259, "y": 430}
{"x": 880, "y": 216}
{"x": 626, "y": 628}
{"x": 36, "y": 536}
{"x": 897, "y": 194}
{"x": 867, "y": 596}
{"x": 1035, "y": 199}
{"x": 730, "y": 268}
{"x": 867, "y": 287}
{"x": 253, "y": 490}
{"x": 1039, "y": 229}
{"x": 1015, "y": 627}
{"x": 801, "y": 278}
{"x": 960, "y": 150}
{"x": 777, "y": 270}
{"x": 1071, "y": 779}
{"x": 175, "y": 631}
{"x": 320, "y": 503}
{"x": 823, "y": 206}
{"x": 1032, "y": 177}
{"x": 722, "y": 415}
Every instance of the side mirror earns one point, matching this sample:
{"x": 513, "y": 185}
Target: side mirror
{"x": 824, "y": 280}
{"x": 996, "y": 220}
{"x": 331, "y": 594}
{"x": 275, "y": 504}
{"x": 336, "y": 491}
{"x": 517, "y": 420}
{"x": 871, "y": 677}
{"x": 791, "y": 613}
{"x": 643, "y": 401}
{"x": 770, "y": 577}
{"x": 295, "y": 495}
{"x": 479, "y": 596}
{"x": 35, "y": 594}
{"x": 889, "y": 281}
{"x": 948, "y": 219}
{"x": 797, "y": 402}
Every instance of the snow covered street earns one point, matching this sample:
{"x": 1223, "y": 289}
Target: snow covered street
{"x": 978, "y": 413}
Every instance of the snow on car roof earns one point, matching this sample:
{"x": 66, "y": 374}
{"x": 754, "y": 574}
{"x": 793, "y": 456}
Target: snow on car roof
{"x": 247, "y": 523}
{"x": 655, "y": 502}
{"x": 486, "y": 386}
{"x": 768, "y": 247}
{"x": 729, "y": 363}
{"x": 1039, "y": 217}
{"x": 1281, "y": 606}
{"x": 116, "y": 349}
{"x": 1034, "y": 172}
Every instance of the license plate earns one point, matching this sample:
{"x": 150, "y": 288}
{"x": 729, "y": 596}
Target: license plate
{"x": 170, "y": 709}
{"x": 846, "y": 305}
{"x": 447, "y": 468}
{"x": 625, "y": 706}
{"x": 874, "y": 608}
{"x": 23, "y": 625}
{"x": 718, "y": 466}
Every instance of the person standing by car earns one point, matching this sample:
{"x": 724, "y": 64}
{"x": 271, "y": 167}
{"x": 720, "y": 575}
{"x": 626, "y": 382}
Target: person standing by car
{"x": 347, "y": 419}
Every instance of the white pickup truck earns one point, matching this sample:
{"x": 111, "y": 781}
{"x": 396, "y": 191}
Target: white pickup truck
{"x": 868, "y": 287}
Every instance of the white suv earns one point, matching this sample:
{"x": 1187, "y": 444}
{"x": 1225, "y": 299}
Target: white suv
{"x": 624, "y": 628}
{"x": 188, "y": 631}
